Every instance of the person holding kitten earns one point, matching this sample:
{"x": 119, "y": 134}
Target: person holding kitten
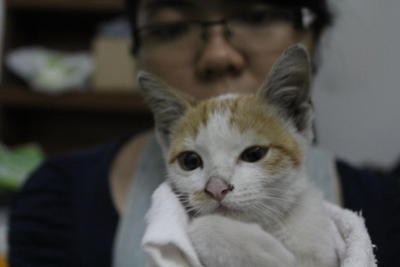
{"x": 87, "y": 209}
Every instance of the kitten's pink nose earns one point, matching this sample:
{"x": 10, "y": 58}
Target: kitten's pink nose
{"x": 218, "y": 188}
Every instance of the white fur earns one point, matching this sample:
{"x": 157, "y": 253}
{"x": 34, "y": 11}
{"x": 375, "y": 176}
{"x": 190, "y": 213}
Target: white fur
{"x": 284, "y": 204}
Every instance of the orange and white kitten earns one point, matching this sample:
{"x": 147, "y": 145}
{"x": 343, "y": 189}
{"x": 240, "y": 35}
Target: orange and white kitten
{"x": 238, "y": 160}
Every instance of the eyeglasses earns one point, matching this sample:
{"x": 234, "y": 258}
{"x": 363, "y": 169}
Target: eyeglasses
{"x": 251, "y": 26}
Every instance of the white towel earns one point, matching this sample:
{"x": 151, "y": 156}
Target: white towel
{"x": 165, "y": 239}
{"x": 358, "y": 251}
{"x": 167, "y": 243}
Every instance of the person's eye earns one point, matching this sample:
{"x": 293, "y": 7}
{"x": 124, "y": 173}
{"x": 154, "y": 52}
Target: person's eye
{"x": 168, "y": 31}
{"x": 253, "y": 153}
{"x": 189, "y": 161}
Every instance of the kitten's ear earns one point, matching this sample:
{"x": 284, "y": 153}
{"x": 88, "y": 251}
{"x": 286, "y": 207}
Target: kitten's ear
{"x": 166, "y": 104}
{"x": 288, "y": 88}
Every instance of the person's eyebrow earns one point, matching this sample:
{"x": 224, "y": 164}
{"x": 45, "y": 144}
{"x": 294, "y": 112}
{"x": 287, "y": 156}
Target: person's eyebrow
{"x": 155, "y": 5}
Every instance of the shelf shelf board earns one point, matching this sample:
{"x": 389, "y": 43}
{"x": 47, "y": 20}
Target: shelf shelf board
{"x": 68, "y": 4}
{"x": 20, "y": 97}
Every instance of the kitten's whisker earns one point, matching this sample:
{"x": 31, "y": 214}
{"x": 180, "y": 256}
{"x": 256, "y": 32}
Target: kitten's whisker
{"x": 270, "y": 188}
{"x": 276, "y": 212}
{"x": 267, "y": 217}
{"x": 193, "y": 212}
{"x": 276, "y": 216}
{"x": 279, "y": 198}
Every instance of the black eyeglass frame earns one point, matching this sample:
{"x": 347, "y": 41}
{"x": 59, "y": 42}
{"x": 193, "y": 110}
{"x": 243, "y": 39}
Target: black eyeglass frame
{"x": 296, "y": 12}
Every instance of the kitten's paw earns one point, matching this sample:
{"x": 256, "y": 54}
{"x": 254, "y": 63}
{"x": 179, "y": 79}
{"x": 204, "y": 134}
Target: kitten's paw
{"x": 221, "y": 242}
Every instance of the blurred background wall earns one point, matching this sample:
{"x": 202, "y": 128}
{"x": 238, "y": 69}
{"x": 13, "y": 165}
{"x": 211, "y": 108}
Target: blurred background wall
{"x": 357, "y": 90}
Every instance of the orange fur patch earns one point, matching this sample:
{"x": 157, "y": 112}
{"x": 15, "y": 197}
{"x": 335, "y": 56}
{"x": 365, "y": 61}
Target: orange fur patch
{"x": 188, "y": 126}
{"x": 248, "y": 112}
{"x": 252, "y": 113}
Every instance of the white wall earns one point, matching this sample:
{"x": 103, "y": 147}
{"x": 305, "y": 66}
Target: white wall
{"x": 357, "y": 90}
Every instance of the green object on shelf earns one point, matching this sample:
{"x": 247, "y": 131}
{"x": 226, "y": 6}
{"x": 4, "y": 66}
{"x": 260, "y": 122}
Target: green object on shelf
{"x": 16, "y": 164}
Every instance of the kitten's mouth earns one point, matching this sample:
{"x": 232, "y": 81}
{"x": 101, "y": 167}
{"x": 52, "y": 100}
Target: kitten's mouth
{"x": 228, "y": 210}
{"x": 221, "y": 209}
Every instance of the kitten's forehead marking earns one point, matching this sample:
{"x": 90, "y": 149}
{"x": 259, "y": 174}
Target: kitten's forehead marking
{"x": 252, "y": 113}
{"x": 241, "y": 113}
{"x": 198, "y": 116}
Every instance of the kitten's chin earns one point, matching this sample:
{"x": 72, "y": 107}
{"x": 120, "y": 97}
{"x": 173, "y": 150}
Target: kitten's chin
{"x": 227, "y": 211}
{"x": 222, "y": 210}
{"x": 215, "y": 208}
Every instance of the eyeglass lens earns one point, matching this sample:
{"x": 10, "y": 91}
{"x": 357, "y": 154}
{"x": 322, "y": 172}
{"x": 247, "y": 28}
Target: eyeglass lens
{"x": 255, "y": 27}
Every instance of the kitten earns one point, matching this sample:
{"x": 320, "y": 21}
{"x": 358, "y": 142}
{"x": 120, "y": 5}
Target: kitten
{"x": 236, "y": 162}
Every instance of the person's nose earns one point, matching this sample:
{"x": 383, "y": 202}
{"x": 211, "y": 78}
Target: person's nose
{"x": 218, "y": 57}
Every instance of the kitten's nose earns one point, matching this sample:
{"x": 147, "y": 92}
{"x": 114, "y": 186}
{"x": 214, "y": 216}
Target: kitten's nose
{"x": 218, "y": 188}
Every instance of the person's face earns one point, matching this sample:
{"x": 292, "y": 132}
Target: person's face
{"x": 215, "y": 62}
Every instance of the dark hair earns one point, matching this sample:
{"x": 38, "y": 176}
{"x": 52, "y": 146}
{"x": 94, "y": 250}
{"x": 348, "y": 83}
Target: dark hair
{"x": 319, "y": 7}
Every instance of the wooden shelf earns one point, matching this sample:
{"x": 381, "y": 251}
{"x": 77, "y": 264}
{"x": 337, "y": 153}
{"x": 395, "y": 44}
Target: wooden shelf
{"x": 70, "y": 121}
{"x": 17, "y": 96}
{"x": 67, "y": 4}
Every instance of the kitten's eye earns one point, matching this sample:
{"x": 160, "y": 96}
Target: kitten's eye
{"x": 253, "y": 154}
{"x": 190, "y": 161}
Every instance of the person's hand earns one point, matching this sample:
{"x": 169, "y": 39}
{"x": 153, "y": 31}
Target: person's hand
{"x": 221, "y": 242}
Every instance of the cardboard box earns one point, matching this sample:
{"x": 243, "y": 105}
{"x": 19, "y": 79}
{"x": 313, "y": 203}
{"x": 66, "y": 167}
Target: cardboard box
{"x": 115, "y": 69}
